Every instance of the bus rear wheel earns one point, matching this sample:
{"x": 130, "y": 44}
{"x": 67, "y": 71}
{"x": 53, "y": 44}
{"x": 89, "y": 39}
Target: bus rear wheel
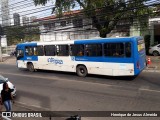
{"x": 30, "y": 67}
{"x": 81, "y": 71}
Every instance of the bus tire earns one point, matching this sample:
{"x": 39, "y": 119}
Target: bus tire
{"x": 30, "y": 67}
{"x": 81, "y": 71}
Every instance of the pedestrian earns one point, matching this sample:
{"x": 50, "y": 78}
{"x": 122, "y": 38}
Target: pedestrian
{"x": 6, "y": 97}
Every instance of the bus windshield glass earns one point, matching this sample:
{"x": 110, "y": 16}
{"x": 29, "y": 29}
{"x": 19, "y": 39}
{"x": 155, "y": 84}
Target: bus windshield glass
{"x": 20, "y": 53}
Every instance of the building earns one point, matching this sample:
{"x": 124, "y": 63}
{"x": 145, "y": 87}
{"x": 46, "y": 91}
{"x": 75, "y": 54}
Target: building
{"x": 32, "y": 19}
{"x": 5, "y": 13}
{"x": 73, "y": 25}
{"x": 3, "y": 41}
{"x": 25, "y": 20}
{"x": 16, "y": 18}
{"x": 154, "y": 30}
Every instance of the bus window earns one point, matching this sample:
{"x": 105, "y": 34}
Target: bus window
{"x": 62, "y": 50}
{"x": 114, "y": 49}
{"x": 76, "y": 50}
{"x": 29, "y": 51}
{"x": 141, "y": 45}
{"x": 40, "y": 51}
{"x": 50, "y": 50}
{"x": 93, "y": 50}
{"x": 35, "y": 51}
{"x": 128, "y": 49}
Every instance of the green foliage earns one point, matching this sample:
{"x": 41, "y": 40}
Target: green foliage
{"x": 17, "y": 34}
{"x": 105, "y": 14}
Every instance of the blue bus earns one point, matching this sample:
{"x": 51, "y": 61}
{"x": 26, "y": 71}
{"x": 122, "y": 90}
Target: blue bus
{"x": 122, "y": 56}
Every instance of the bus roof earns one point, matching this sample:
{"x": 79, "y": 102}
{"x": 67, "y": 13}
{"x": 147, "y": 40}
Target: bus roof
{"x": 82, "y": 41}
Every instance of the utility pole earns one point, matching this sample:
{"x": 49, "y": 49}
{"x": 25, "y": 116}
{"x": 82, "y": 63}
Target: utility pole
{"x": 1, "y": 60}
{"x": 1, "y": 34}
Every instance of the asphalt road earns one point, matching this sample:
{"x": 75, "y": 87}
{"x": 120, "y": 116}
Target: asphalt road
{"x": 60, "y": 91}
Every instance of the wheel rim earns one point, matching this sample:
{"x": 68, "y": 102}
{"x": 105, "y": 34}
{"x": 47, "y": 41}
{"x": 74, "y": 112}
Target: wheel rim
{"x": 82, "y": 71}
{"x": 31, "y": 68}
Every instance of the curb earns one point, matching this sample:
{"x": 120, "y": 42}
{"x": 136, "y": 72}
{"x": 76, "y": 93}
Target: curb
{"x": 151, "y": 69}
{"x": 157, "y": 71}
{"x": 28, "y": 107}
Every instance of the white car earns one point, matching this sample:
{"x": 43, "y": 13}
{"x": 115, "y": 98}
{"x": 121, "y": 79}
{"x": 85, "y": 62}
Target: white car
{"x": 10, "y": 85}
{"x": 155, "y": 50}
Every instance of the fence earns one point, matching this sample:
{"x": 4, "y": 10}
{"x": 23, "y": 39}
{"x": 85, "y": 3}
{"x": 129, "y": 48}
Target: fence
{"x": 8, "y": 50}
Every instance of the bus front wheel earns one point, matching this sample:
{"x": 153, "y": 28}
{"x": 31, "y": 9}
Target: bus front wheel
{"x": 81, "y": 71}
{"x": 30, "y": 67}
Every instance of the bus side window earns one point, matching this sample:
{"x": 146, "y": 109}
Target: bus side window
{"x": 35, "y": 51}
{"x": 114, "y": 49}
{"x": 80, "y": 50}
{"x": 128, "y": 49}
{"x": 80, "y": 53}
{"x": 87, "y": 52}
{"x": 77, "y": 50}
{"x": 29, "y": 51}
{"x": 40, "y": 50}
{"x": 93, "y": 50}
{"x": 49, "y": 50}
{"x": 116, "y": 53}
{"x": 62, "y": 50}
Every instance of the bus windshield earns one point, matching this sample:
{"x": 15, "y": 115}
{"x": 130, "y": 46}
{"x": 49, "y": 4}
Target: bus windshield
{"x": 141, "y": 45}
{"x": 20, "y": 54}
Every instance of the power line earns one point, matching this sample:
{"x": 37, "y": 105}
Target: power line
{"x": 86, "y": 25}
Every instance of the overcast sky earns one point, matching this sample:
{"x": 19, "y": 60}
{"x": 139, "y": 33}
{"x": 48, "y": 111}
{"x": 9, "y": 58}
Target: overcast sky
{"x": 27, "y": 8}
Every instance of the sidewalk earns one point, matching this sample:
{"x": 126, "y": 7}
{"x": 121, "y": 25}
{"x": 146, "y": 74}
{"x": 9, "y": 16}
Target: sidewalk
{"x": 20, "y": 108}
{"x": 154, "y": 65}
{"x": 9, "y": 60}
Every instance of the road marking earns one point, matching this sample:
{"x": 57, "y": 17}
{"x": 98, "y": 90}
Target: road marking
{"x": 29, "y": 76}
{"x": 25, "y": 105}
{"x": 58, "y": 78}
{"x": 143, "y": 89}
{"x": 66, "y": 80}
{"x": 151, "y": 70}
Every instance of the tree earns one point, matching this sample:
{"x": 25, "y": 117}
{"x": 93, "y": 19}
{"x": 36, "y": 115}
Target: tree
{"x": 17, "y": 33}
{"x": 105, "y": 14}
{"x": 14, "y": 34}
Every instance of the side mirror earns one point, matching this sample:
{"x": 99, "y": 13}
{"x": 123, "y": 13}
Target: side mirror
{"x": 6, "y": 79}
